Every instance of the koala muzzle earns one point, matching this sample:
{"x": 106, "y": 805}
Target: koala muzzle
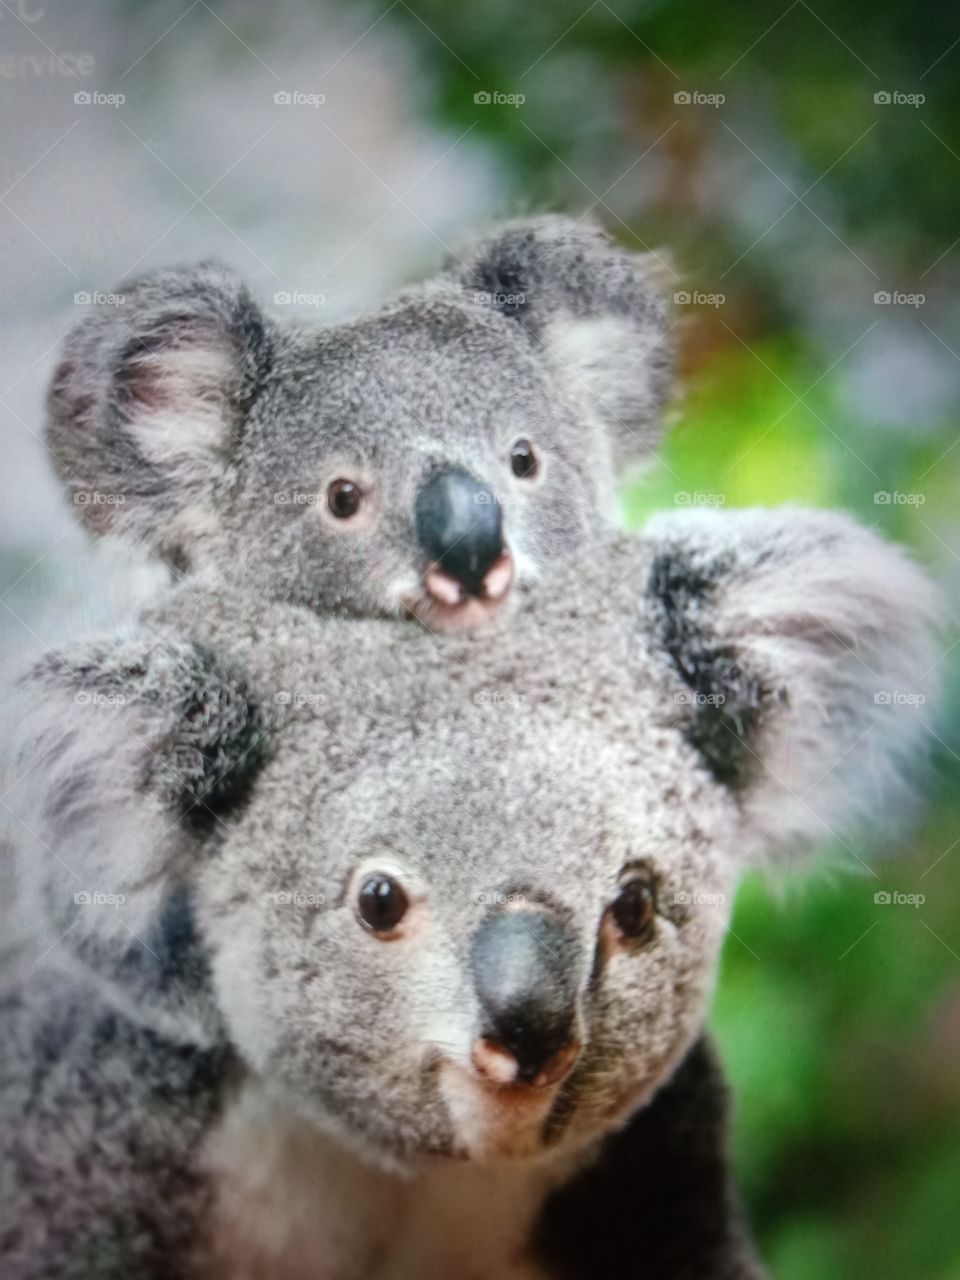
{"x": 460, "y": 529}
{"x": 525, "y": 966}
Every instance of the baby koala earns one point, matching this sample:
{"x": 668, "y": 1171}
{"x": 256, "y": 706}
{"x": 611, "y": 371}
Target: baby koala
{"x": 367, "y": 954}
{"x": 458, "y": 443}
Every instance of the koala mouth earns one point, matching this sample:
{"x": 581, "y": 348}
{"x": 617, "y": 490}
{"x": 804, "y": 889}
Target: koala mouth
{"x": 446, "y": 602}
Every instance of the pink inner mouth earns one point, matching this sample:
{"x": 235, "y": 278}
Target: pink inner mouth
{"x": 446, "y": 606}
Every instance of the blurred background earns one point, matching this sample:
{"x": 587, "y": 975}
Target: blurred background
{"x": 797, "y": 168}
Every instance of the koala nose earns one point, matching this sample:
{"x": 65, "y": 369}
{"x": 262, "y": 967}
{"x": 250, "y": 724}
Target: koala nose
{"x": 525, "y": 966}
{"x": 460, "y": 527}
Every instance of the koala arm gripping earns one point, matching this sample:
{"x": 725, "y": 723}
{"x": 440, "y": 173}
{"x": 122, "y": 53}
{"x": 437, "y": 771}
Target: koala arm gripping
{"x": 660, "y": 1199}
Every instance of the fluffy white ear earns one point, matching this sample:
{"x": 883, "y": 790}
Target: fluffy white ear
{"x": 149, "y": 399}
{"x": 597, "y": 312}
{"x": 121, "y": 760}
{"x": 809, "y": 649}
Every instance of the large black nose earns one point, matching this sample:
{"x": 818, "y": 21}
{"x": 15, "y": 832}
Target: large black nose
{"x": 525, "y": 966}
{"x": 460, "y": 526}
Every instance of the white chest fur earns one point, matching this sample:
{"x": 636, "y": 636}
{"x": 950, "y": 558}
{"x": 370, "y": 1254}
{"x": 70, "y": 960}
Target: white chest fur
{"x": 292, "y": 1204}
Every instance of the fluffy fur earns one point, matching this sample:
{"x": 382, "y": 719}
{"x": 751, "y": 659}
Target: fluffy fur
{"x": 706, "y": 701}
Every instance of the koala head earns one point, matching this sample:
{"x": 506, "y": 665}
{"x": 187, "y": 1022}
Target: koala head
{"x": 422, "y": 460}
{"x": 470, "y": 954}
{"x": 439, "y": 922}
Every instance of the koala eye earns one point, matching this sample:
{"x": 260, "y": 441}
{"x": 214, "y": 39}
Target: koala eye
{"x": 344, "y": 498}
{"x": 524, "y": 461}
{"x": 635, "y": 906}
{"x": 381, "y": 902}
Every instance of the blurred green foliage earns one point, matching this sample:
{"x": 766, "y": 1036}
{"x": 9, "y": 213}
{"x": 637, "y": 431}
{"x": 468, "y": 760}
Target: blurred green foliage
{"x": 839, "y": 1018}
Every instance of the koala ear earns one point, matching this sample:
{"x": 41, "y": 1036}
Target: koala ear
{"x": 805, "y": 650}
{"x": 149, "y": 400}
{"x": 125, "y": 760}
{"x": 597, "y": 312}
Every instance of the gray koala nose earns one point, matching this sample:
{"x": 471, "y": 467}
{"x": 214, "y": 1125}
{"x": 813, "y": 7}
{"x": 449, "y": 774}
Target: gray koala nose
{"x": 460, "y": 527}
{"x": 525, "y": 966}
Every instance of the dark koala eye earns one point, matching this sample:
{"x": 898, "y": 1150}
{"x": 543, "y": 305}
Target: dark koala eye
{"x": 524, "y": 461}
{"x": 381, "y": 902}
{"x": 344, "y": 498}
{"x": 635, "y": 907}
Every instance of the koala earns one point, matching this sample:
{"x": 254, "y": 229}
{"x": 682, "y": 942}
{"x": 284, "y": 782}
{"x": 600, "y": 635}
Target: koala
{"x": 363, "y": 952}
{"x": 462, "y": 441}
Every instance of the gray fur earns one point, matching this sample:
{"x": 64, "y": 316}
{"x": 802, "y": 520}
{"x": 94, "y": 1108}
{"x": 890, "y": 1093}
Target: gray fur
{"x": 535, "y": 762}
{"x": 188, "y": 419}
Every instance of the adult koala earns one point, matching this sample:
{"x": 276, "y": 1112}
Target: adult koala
{"x": 404, "y": 942}
{"x": 423, "y": 459}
